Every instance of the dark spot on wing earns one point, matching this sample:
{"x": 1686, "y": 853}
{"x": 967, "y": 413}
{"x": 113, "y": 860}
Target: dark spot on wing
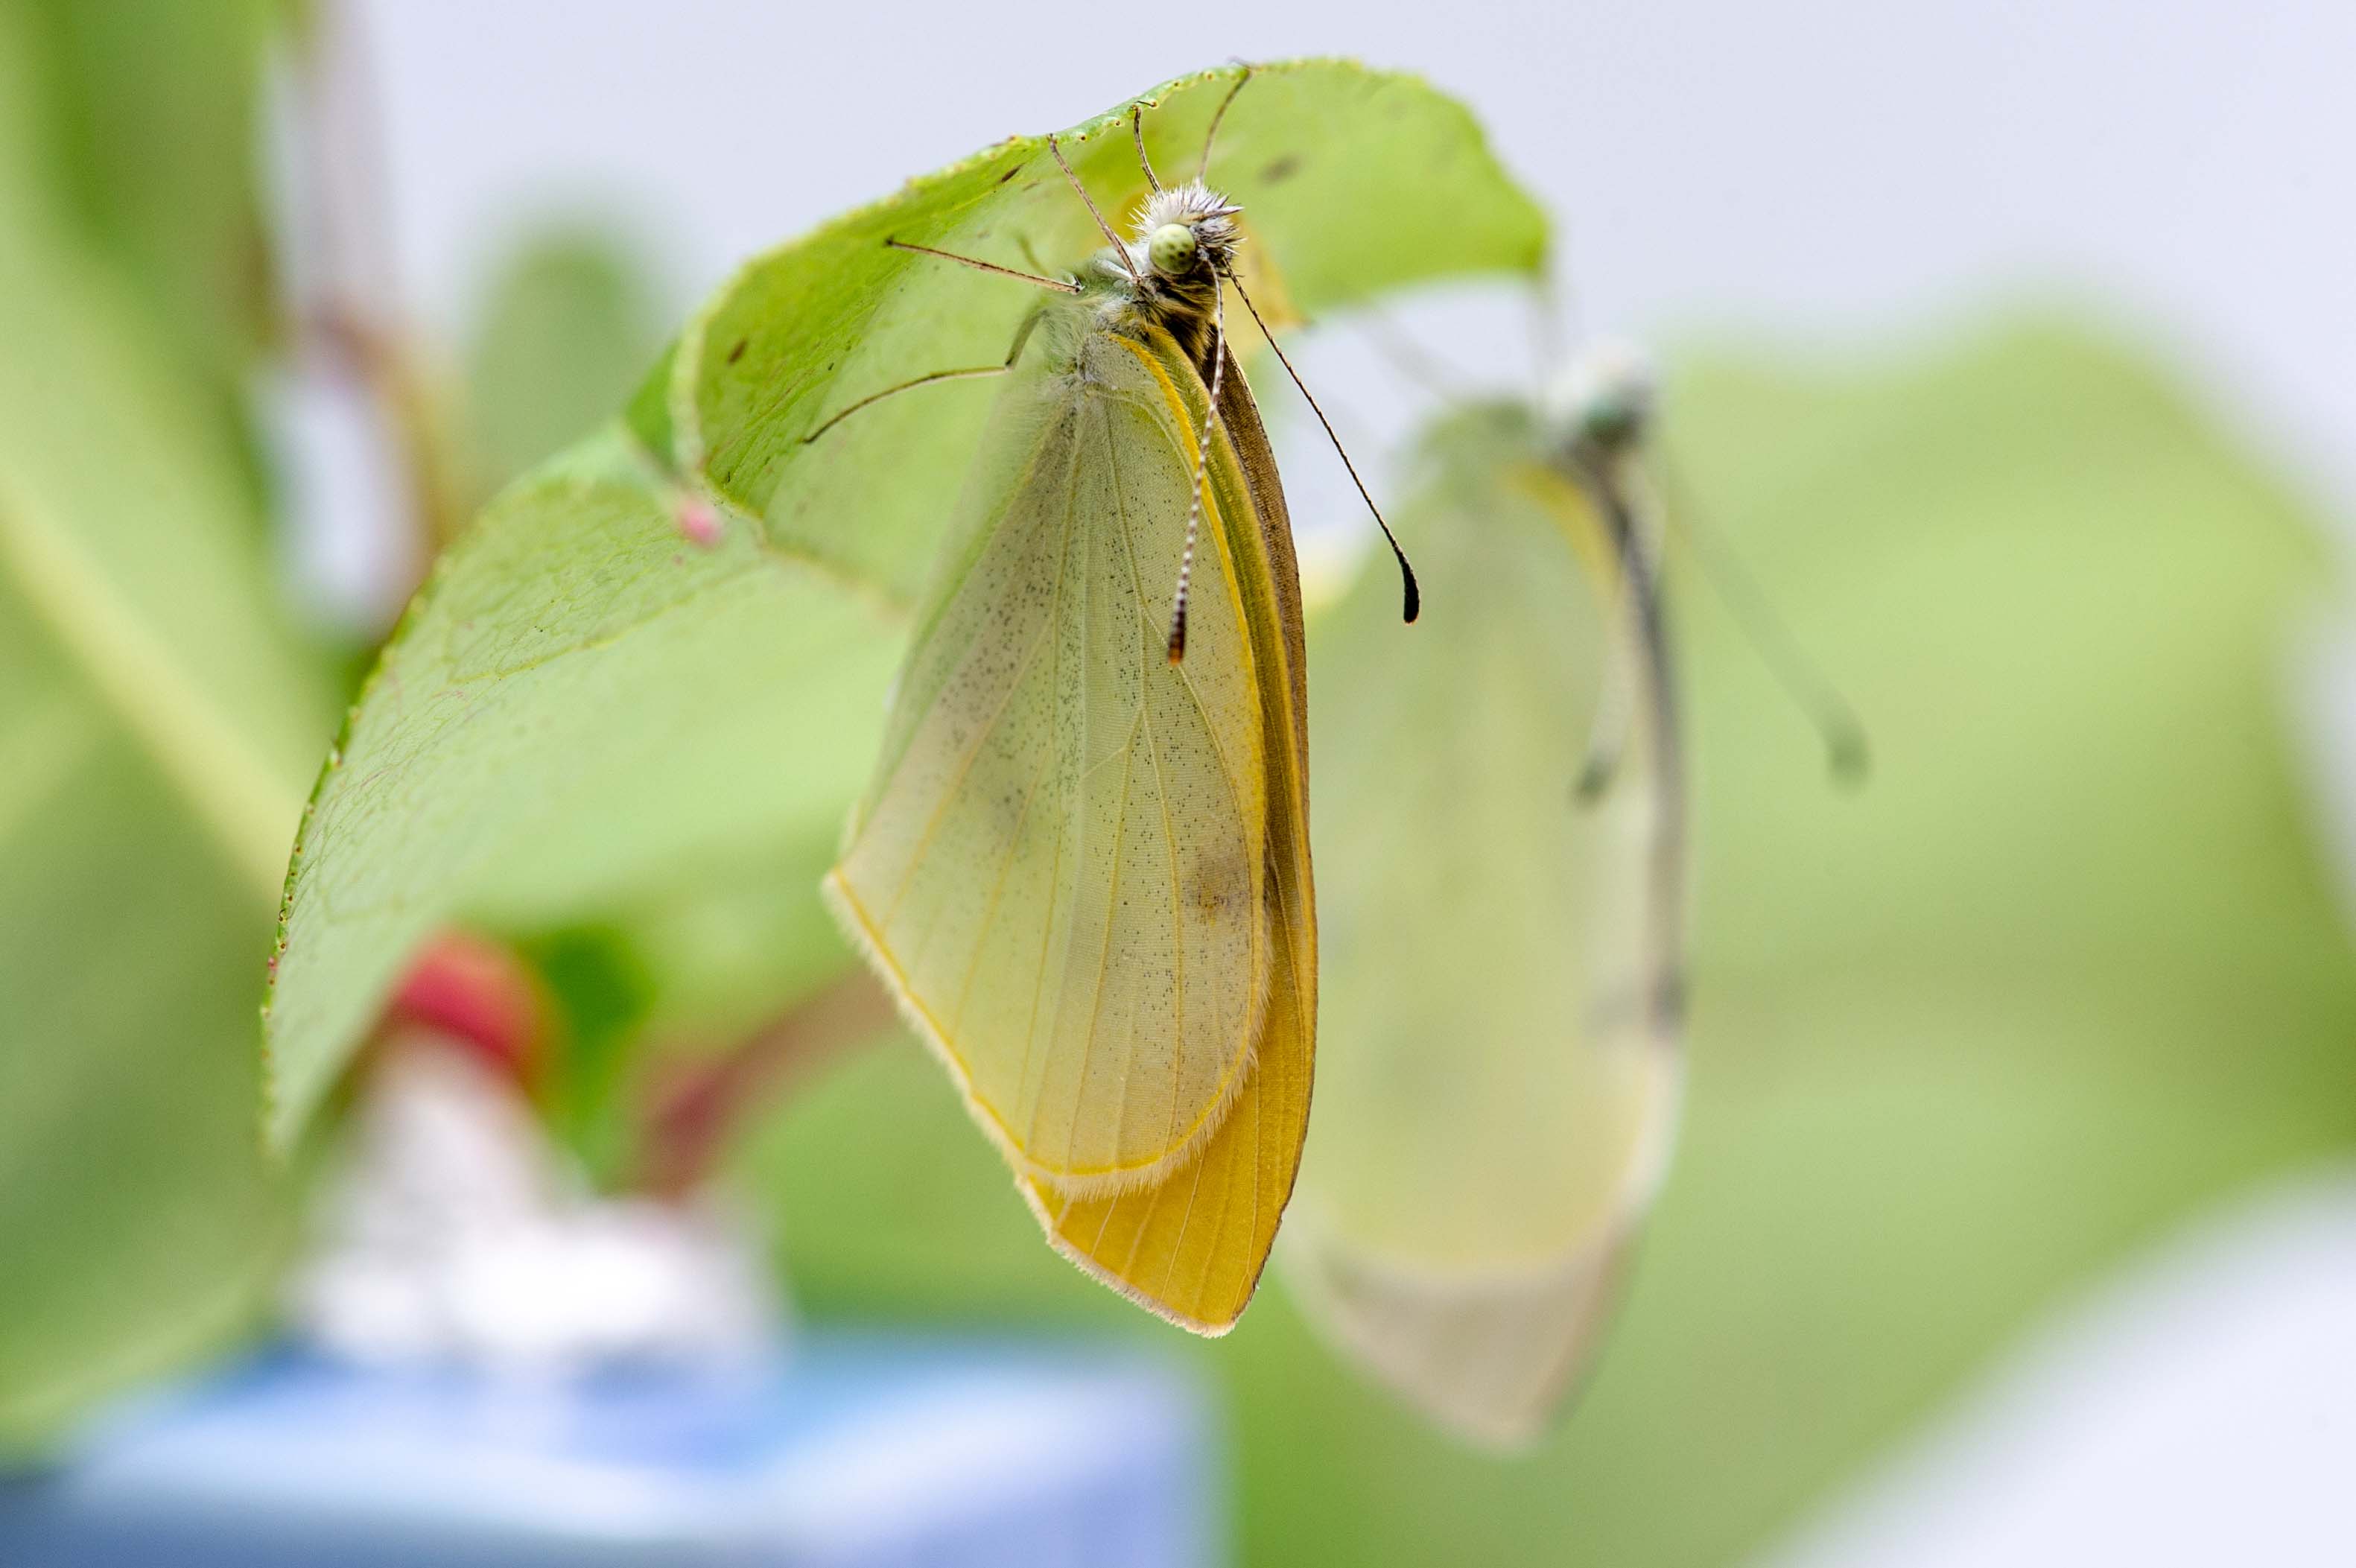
{"x": 1010, "y": 174}
{"x": 1282, "y": 170}
{"x": 1216, "y": 881}
{"x": 737, "y": 352}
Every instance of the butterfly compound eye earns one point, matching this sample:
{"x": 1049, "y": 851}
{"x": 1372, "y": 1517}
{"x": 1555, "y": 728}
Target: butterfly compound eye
{"x": 1171, "y": 249}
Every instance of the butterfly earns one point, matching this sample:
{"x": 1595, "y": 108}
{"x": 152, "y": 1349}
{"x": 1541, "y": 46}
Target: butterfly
{"x": 1083, "y": 866}
{"x": 1506, "y": 954}
{"x": 1504, "y": 950}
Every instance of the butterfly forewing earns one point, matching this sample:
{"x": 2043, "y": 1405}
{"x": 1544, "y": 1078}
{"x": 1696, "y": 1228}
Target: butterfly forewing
{"x": 1062, "y": 862}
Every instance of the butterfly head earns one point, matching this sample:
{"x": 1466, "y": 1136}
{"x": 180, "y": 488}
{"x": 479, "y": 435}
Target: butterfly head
{"x": 1186, "y": 232}
{"x": 1186, "y": 243}
{"x": 1605, "y": 400}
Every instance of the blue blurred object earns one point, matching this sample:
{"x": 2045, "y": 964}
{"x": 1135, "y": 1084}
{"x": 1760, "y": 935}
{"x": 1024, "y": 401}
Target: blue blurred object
{"x": 860, "y": 1452}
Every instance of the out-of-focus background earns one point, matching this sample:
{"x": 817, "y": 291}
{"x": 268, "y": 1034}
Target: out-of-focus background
{"x": 2013, "y": 1214}
{"x": 1822, "y": 173}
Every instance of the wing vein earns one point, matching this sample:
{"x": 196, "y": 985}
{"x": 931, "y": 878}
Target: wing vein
{"x": 1147, "y": 669}
{"x": 983, "y": 732}
{"x": 1146, "y": 672}
{"x": 1055, "y": 871}
{"x": 1104, "y": 950}
{"x": 998, "y": 891}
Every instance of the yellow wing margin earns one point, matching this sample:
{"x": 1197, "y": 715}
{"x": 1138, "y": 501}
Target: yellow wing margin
{"x": 1191, "y": 1247}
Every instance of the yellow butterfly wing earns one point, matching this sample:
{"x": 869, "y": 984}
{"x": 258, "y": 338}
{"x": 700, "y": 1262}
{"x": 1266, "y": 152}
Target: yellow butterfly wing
{"x": 1503, "y": 962}
{"x": 1191, "y": 1248}
{"x": 1063, "y": 868}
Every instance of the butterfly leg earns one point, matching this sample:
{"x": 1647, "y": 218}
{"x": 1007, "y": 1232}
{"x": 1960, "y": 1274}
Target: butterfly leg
{"x": 1635, "y": 582}
{"x": 1061, "y": 285}
{"x": 1607, "y": 733}
{"x": 1120, "y": 251}
{"x": 1013, "y": 356}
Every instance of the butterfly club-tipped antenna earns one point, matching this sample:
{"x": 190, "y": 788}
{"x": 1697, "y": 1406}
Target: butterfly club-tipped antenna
{"x": 1411, "y": 596}
{"x": 1848, "y": 754}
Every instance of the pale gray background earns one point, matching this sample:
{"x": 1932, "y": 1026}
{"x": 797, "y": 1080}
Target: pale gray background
{"x": 1813, "y": 168}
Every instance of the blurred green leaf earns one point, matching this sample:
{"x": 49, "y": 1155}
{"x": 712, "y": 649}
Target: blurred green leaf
{"x": 156, "y": 721}
{"x": 2064, "y": 973}
{"x": 585, "y": 718}
{"x": 567, "y": 329}
{"x": 600, "y": 993}
{"x": 148, "y": 114}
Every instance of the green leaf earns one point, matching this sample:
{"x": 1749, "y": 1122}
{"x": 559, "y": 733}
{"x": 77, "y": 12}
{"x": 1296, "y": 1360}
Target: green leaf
{"x": 1353, "y": 181}
{"x": 582, "y": 711}
{"x": 585, "y": 719}
{"x": 567, "y": 329}
{"x": 2065, "y": 973}
{"x": 158, "y": 720}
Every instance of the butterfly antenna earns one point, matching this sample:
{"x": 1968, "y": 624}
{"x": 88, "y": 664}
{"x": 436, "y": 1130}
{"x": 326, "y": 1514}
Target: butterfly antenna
{"x": 1203, "y": 170}
{"x": 1136, "y": 133}
{"x": 1202, "y": 463}
{"x": 1412, "y": 595}
{"x": 1111, "y": 239}
{"x": 1408, "y": 358}
{"x": 1846, "y": 751}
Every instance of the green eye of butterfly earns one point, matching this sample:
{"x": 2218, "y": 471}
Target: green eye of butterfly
{"x": 1171, "y": 249}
